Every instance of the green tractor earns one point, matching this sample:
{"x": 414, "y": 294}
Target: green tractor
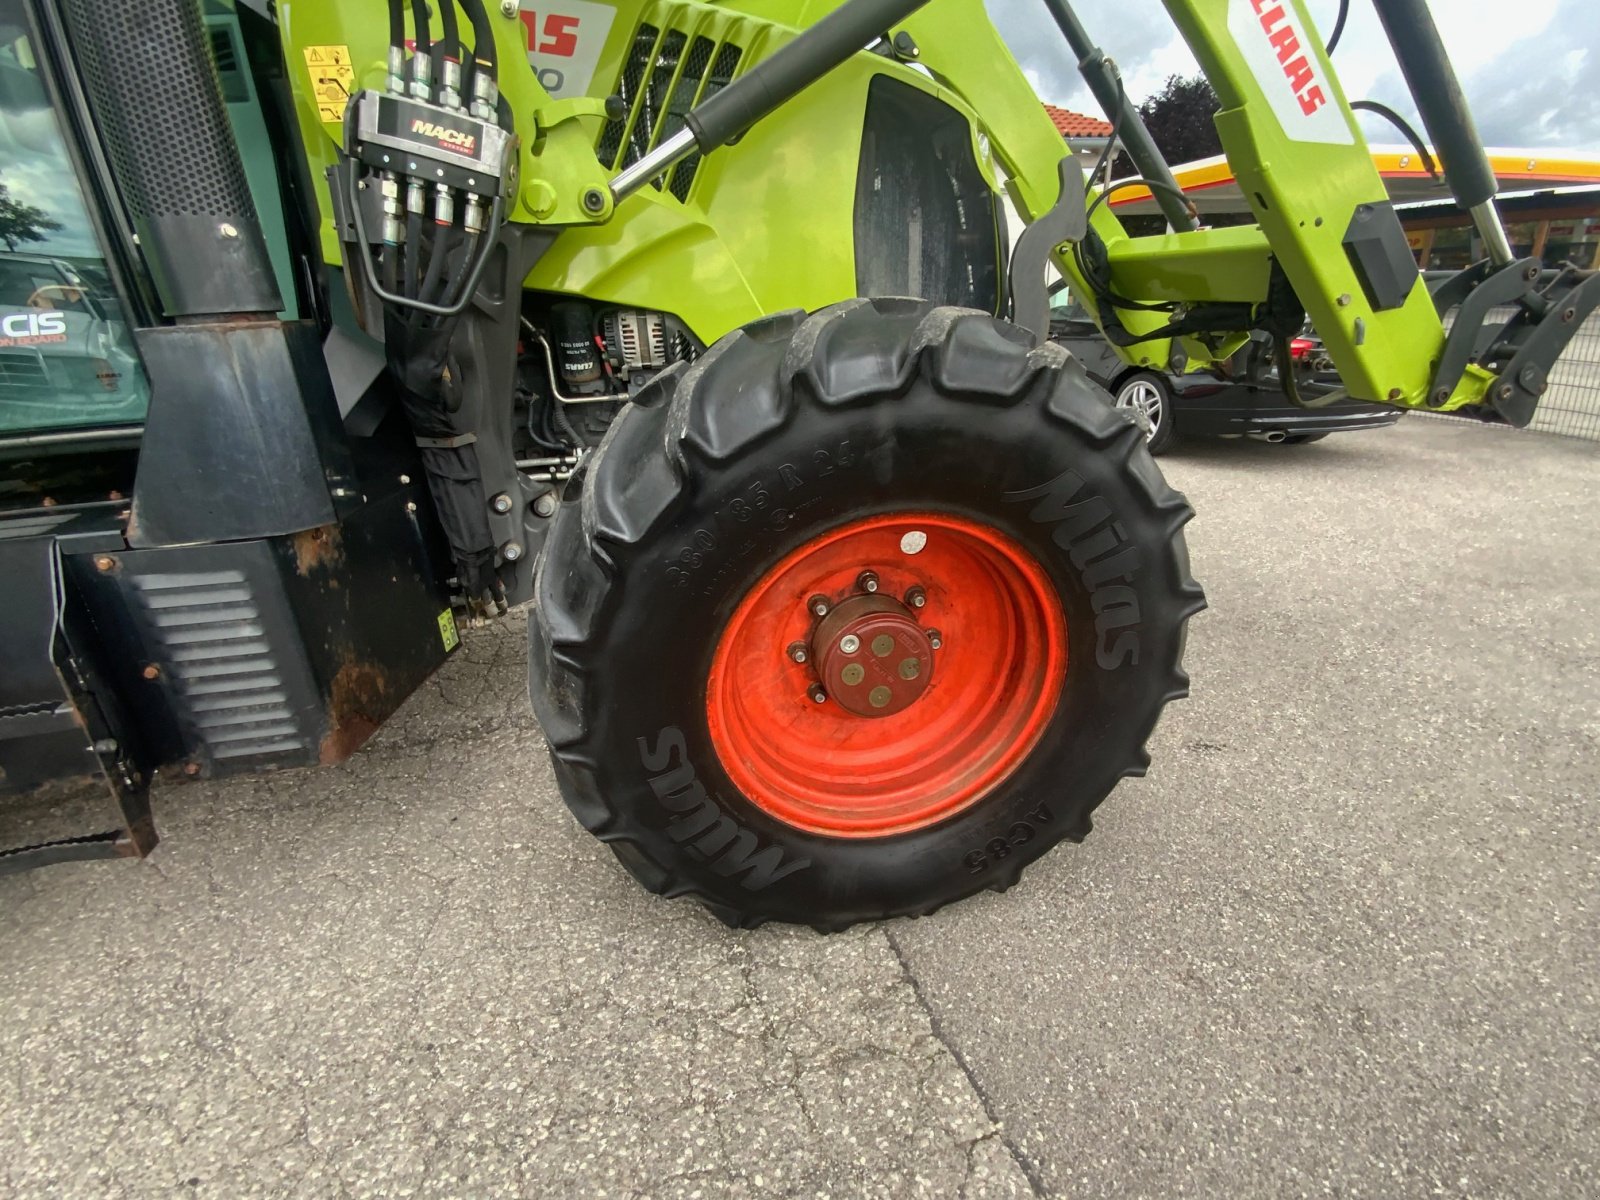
{"x": 698, "y": 326}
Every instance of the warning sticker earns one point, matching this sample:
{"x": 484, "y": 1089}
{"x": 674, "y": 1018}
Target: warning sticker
{"x": 332, "y": 79}
{"x": 447, "y": 631}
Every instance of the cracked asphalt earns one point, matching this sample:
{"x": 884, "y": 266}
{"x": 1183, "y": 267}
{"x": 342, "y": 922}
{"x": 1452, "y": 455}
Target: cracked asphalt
{"x": 1342, "y": 940}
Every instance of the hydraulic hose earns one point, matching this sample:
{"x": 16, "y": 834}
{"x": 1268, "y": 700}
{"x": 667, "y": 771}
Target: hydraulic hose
{"x": 397, "y": 24}
{"x": 483, "y": 52}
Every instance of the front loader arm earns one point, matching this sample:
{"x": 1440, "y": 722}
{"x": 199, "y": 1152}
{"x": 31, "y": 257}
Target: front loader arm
{"x": 1327, "y": 242}
{"x": 1300, "y": 160}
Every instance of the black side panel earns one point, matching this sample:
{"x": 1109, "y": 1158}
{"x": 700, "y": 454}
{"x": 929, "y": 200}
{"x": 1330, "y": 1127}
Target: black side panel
{"x": 243, "y": 436}
{"x": 1376, "y": 244}
{"x": 41, "y": 737}
{"x": 276, "y": 652}
{"x": 924, "y": 217}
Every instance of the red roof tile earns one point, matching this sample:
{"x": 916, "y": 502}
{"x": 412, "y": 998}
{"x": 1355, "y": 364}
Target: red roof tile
{"x": 1077, "y": 125}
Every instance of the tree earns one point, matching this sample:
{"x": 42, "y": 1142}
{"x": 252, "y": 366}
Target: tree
{"x": 20, "y": 223}
{"x": 1179, "y": 118}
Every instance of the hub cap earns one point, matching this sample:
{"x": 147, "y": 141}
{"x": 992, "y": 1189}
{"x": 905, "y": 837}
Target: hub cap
{"x": 925, "y": 708}
{"x": 875, "y": 659}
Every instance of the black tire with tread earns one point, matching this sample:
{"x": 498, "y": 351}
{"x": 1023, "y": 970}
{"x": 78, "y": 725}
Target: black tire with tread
{"x": 866, "y": 406}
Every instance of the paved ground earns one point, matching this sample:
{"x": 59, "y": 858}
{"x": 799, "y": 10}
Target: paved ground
{"x": 1343, "y": 940}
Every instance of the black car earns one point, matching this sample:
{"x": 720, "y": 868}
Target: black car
{"x": 1238, "y": 398}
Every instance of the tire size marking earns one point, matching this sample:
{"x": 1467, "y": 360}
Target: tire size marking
{"x": 1107, "y": 562}
{"x": 759, "y": 503}
{"x": 701, "y": 825}
{"x": 997, "y": 849}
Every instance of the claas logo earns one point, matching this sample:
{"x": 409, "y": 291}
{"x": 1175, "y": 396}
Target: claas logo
{"x": 1278, "y": 25}
{"x": 453, "y": 139}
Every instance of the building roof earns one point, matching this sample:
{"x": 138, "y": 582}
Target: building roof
{"x": 1077, "y": 125}
{"x": 1210, "y": 185}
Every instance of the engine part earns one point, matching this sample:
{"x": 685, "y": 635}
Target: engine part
{"x": 577, "y": 356}
{"x": 636, "y": 338}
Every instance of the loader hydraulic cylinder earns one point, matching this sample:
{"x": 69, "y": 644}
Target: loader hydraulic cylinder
{"x": 1433, "y": 83}
{"x": 1100, "y": 73}
{"x": 769, "y": 84}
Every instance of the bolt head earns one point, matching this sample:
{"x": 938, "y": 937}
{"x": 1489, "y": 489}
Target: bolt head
{"x": 501, "y": 503}
{"x": 545, "y": 505}
{"x": 104, "y": 562}
{"x": 917, "y": 598}
{"x": 1344, "y": 300}
{"x": 191, "y": 769}
{"x": 849, "y": 643}
{"x": 411, "y": 506}
{"x": 798, "y": 652}
{"x": 818, "y": 696}
{"x": 819, "y": 606}
{"x": 508, "y": 8}
{"x": 594, "y": 201}
{"x": 151, "y": 671}
{"x": 227, "y": 230}
{"x": 934, "y": 639}
{"x": 405, "y": 479}
{"x": 867, "y": 581}
{"x": 511, "y": 551}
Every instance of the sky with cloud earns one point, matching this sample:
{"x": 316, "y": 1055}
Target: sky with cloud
{"x": 1530, "y": 68}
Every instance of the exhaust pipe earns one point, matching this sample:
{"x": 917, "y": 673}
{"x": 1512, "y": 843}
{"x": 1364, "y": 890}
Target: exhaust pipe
{"x": 1275, "y": 436}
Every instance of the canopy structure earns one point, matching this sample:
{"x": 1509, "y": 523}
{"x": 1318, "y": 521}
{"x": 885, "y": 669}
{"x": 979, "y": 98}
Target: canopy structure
{"x": 1210, "y": 184}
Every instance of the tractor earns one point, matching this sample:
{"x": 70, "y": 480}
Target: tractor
{"x": 696, "y": 329}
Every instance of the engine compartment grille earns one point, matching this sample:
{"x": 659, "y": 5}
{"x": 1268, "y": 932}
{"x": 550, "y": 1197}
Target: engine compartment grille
{"x": 667, "y": 72}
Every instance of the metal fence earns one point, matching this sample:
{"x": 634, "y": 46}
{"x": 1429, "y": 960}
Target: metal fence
{"x": 1571, "y": 406}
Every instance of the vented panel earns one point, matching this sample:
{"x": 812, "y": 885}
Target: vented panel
{"x": 665, "y": 75}
{"x": 722, "y": 72}
{"x": 221, "y": 663}
{"x": 162, "y": 121}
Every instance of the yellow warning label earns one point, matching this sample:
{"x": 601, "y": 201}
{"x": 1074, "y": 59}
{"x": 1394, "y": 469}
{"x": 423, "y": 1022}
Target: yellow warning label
{"x": 447, "y": 631}
{"x": 332, "y": 79}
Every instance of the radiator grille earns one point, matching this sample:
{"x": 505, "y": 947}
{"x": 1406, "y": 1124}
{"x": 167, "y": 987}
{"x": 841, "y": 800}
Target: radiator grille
{"x": 221, "y": 662}
{"x": 666, "y": 74}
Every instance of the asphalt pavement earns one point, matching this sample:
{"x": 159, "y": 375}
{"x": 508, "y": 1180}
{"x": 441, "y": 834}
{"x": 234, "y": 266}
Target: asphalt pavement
{"x": 1343, "y": 940}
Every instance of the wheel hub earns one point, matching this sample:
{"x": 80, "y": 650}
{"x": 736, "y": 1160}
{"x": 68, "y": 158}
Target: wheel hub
{"x": 872, "y": 656}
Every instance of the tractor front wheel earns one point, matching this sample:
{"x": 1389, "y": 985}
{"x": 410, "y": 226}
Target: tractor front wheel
{"x": 857, "y": 615}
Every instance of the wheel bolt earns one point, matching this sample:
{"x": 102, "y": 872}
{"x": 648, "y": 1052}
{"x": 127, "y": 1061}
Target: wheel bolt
{"x": 867, "y": 581}
{"x": 916, "y": 597}
{"x": 849, "y": 643}
{"x": 934, "y": 640}
{"x": 818, "y": 605}
{"x": 797, "y": 651}
{"x": 817, "y": 694}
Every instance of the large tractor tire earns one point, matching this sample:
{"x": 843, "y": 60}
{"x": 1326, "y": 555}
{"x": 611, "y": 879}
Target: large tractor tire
{"x": 858, "y": 615}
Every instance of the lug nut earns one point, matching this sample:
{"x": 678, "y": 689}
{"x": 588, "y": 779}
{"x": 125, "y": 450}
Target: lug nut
{"x": 916, "y": 598}
{"x": 817, "y": 694}
{"x": 867, "y": 582}
{"x": 819, "y": 606}
{"x": 849, "y": 643}
{"x": 934, "y": 639}
{"x": 797, "y": 651}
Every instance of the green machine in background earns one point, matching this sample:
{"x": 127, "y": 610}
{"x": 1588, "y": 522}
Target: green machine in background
{"x": 694, "y": 324}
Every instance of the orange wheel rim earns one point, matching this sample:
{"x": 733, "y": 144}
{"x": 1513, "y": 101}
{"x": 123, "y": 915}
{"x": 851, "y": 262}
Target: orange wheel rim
{"x": 931, "y": 708}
